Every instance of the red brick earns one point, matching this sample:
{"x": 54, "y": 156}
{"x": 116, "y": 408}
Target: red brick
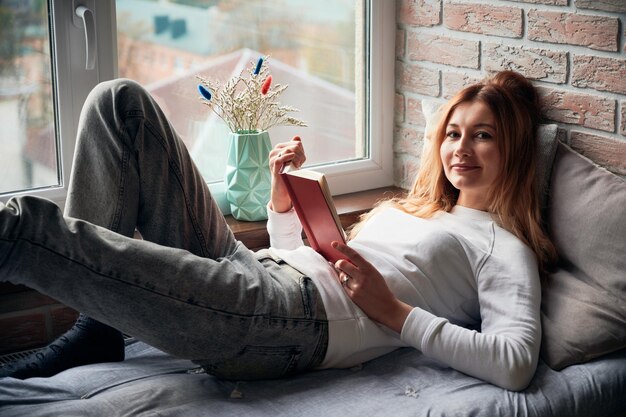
{"x": 596, "y": 32}
{"x": 408, "y": 140}
{"x": 606, "y": 74}
{"x": 623, "y": 125}
{"x": 417, "y": 79}
{"x": 587, "y": 110}
{"x": 405, "y": 170}
{"x": 22, "y": 332}
{"x": 484, "y": 19}
{"x": 414, "y": 113}
{"x": 605, "y": 5}
{"x": 400, "y": 43}
{"x": 534, "y": 63}
{"x": 607, "y": 152}
{"x": 443, "y": 50}
{"x": 62, "y": 319}
{"x": 453, "y": 82}
{"x": 399, "y": 108}
{"x": 419, "y": 12}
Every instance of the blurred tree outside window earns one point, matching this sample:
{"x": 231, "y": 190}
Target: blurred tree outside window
{"x": 28, "y": 146}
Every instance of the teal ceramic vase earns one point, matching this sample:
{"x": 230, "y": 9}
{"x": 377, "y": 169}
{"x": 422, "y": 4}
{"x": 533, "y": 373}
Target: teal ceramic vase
{"x": 248, "y": 175}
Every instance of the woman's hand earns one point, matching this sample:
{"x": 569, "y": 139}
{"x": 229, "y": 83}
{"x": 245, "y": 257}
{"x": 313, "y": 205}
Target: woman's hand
{"x": 367, "y": 288}
{"x": 291, "y": 152}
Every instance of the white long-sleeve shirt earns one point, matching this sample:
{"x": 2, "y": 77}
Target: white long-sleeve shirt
{"x": 474, "y": 287}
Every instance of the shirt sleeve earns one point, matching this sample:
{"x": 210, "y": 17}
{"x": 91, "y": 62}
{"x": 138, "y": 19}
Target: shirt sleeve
{"x": 284, "y": 229}
{"x": 506, "y": 349}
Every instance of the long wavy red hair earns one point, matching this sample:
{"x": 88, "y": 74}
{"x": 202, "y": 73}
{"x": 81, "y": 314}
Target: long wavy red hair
{"x": 513, "y": 198}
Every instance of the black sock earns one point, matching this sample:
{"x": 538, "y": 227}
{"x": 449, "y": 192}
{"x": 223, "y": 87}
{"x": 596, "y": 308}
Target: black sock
{"x": 88, "y": 341}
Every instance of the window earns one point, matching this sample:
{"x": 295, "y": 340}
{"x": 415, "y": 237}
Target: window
{"x": 43, "y": 46}
{"x": 28, "y": 156}
{"x": 338, "y": 61}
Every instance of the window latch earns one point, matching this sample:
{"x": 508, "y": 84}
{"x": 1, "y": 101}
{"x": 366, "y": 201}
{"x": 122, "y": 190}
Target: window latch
{"x": 89, "y": 24}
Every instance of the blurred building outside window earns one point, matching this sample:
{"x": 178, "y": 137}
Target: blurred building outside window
{"x": 323, "y": 49}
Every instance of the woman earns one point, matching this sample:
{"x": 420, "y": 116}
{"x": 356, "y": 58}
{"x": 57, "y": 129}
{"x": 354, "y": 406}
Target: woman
{"x": 462, "y": 254}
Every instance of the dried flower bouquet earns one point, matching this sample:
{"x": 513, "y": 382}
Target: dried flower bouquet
{"x": 248, "y": 103}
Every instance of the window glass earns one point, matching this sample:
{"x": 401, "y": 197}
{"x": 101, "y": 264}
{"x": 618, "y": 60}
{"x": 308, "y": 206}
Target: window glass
{"x": 28, "y": 146}
{"x": 315, "y": 47}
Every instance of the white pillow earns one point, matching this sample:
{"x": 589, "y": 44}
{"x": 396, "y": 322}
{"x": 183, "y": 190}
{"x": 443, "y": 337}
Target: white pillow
{"x": 431, "y": 108}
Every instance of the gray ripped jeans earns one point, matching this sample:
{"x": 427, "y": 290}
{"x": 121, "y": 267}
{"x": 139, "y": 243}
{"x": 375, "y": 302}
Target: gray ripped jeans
{"x": 189, "y": 288}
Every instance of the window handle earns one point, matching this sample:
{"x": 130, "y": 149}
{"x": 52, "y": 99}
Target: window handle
{"x": 86, "y": 15}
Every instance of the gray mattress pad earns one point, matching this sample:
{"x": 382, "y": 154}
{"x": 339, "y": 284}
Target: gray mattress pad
{"x": 402, "y": 383}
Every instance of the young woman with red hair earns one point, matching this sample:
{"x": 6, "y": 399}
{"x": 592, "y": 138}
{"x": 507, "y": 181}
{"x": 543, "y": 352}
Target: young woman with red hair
{"x": 451, "y": 269}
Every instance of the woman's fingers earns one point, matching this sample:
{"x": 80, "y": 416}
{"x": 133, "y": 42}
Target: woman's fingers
{"x": 367, "y": 288}
{"x": 354, "y": 269}
{"x": 287, "y": 152}
{"x": 291, "y": 152}
{"x": 355, "y": 260}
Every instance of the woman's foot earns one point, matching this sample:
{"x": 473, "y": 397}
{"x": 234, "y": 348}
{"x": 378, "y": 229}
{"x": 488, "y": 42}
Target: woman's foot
{"x": 88, "y": 341}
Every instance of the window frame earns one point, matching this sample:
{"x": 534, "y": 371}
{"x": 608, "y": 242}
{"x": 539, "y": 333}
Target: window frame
{"x": 72, "y": 83}
{"x": 377, "y": 170}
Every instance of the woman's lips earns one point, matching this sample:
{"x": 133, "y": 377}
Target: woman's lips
{"x": 464, "y": 167}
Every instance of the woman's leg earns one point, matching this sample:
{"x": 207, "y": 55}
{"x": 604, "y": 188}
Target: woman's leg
{"x": 119, "y": 121}
{"x": 223, "y": 313}
{"x": 178, "y": 300}
{"x": 131, "y": 170}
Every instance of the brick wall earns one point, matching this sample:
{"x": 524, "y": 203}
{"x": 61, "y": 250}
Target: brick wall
{"x": 574, "y": 50}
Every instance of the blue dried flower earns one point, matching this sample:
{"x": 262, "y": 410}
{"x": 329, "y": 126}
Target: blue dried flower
{"x": 205, "y": 93}
{"x": 259, "y": 64}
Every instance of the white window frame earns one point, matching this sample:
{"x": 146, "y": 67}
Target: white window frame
{"x": 377, "y": 170}
{"x": 72, "y": 83}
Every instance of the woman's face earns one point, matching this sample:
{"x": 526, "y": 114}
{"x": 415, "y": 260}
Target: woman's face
{"x": 469, "y": 153}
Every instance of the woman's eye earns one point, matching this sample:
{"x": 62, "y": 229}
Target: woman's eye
{"x": 483, "y": 135}
{"x": 452, "y": 135}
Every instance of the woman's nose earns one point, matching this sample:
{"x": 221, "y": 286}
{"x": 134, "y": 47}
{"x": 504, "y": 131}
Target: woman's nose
{"x": 463, "y": 146}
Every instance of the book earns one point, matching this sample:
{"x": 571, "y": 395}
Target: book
{"x": 313, "y": 203}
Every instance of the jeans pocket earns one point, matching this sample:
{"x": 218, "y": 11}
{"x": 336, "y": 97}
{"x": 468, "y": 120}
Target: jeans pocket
{"x": 258, "y": 362}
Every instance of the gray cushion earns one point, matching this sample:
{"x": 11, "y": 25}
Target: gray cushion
{"x": 404, "y": 383}
{"x": 584, "y": 301}
{"x": 546, "y": 148}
